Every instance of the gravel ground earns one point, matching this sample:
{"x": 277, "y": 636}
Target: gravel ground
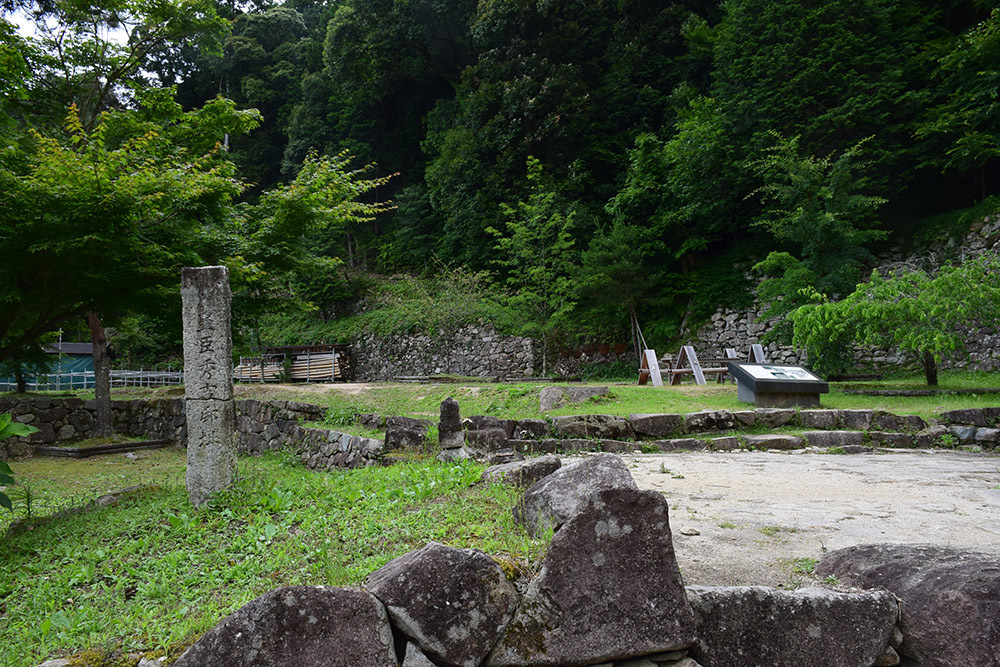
{"x": 743, "y": 518}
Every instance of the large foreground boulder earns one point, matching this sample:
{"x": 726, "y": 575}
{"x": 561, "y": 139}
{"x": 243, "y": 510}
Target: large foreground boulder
{"x": 609, "y": 589}
{"x": 522, "y": 473}
{"x": 950, "y": 598}
{"x": 754, "y": 626}
{"x": 553, "y": 500}
{"x": 451, "y": 603}
{"x": 299, "y": 626}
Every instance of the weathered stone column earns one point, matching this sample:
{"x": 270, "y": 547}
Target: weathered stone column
{"x": 451, "y": 437}
{"x": 208, "y": 381}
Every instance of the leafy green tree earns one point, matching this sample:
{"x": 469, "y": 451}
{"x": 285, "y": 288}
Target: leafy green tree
{"x": 268, "y": 242}
{"x": 73, "y": 60}
{"x": 912, "y": 310}
{"x": 536, "y": 249}
{"x": 570, "y": 83}
{"x": 617, "y": 279}
{"x": 104, "y": 222}
{"x": 678, "y": 187}
{"x": 260, "y": 65}
{"x": 816, "y": 206}
{"x": 966, "y": 124}
{"x": 831, "y": 73}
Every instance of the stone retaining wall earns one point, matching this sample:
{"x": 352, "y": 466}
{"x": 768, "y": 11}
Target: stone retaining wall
{"x": 843, "y": 431}
{"x": 260, "y": 426}
{"x": 740, "y": 329}
{"x": 475, "y": 351}
{"x": 573, "y": 362}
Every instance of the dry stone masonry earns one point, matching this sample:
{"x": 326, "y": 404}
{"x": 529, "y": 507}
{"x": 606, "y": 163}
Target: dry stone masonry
{"x": 476, "y": 351}
{"x": 208, "y": 381}
{"x": 739, "y": 329}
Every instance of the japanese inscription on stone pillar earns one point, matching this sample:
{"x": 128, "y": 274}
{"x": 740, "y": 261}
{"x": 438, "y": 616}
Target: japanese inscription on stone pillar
{"x": 208, "y": 381}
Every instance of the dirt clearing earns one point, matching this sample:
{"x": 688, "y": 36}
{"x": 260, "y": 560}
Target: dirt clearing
{"x": 759, "y": 517}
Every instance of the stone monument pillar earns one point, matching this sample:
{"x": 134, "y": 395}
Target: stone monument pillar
{"x": 450, "y": 434}
{"x": 208, "y": 381}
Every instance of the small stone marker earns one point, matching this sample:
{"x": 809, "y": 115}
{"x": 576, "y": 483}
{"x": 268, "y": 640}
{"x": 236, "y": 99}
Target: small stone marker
{"x": 450, "y": 433}
{"x": 208, "y": 381}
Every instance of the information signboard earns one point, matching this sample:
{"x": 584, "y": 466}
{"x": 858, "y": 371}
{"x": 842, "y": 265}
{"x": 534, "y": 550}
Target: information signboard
{"x": 775, "y": 385}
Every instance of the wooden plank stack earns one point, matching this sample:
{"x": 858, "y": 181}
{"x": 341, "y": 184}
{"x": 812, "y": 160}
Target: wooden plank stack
{"x": 302, "y": 365}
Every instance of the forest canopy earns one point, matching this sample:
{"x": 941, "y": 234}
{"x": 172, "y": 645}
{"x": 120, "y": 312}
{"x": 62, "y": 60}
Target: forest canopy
{"x": 674, "y": 146}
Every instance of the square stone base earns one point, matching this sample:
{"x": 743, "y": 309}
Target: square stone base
{"x": 775, "y": 399}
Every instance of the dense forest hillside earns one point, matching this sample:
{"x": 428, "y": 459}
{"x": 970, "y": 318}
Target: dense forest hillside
{"x": 560, "y": 168}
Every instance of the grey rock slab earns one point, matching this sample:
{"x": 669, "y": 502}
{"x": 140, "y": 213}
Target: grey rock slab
{"x": 900, "y": 440}
{"x": 680, "y": 444}
{"x": 822, "y": 419}
{"x": 834, "y": 438}
{"x": 964, "y": 434}
{"x": 451, "y": 603}
{"x": 415, "y": 658}
{"x": 405, "y": 433}
{"x": 709, "y": 420}
{"x": 772, "y": 441}
{"x": 299, "y": 626}
{"x": 927, "y": 437}
{"x": 656, "y": 425}
{"x": 912, "y": 422}
{"x": 522, "y": 473}
{"x": 556, "y": 498}
{"x": 859, "y": 420}
{"x": 987, "y": 435}
{"x": 487, "y": 439}
{"x": 887, "y": 421}
{"x": 950, "y": 598}
{"x": 609, "y": 589}
{"x": 724, "y": 444}
{"x": 535, "y": 447}
{"x": 971, "y": 416}
{"x": 453, "y": 455}
{"x": 528, "y": 429}
{"x": 504, "y": 456}
{"x": 775, "y": 417}
{"x": 592, "y": 426}
{"x": 479, "y": 422}
{"x": 664, "y": 659}
{"x": 754, "y": 626}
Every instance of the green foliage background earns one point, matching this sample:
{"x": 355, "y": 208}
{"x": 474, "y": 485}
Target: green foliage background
{"x": 685, "y": 142}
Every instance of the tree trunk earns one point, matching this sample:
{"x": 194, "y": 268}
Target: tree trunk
{"x": 545, "y": 355}
{"x": 930, "y": 369}
{"x": 22, "y": 382}
{"x": 102, "y": 376}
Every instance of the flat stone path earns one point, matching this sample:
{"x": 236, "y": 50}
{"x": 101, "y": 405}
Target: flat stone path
{"x": 756, "y": 512}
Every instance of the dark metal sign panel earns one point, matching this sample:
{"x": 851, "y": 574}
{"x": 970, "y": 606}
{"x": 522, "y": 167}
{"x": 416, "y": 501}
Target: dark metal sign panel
{"x": 775, "y": 378}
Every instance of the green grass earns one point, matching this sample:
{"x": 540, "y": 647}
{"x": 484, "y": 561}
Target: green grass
{"x": 152, "y": 572}
{"x": 520, "y": 401}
